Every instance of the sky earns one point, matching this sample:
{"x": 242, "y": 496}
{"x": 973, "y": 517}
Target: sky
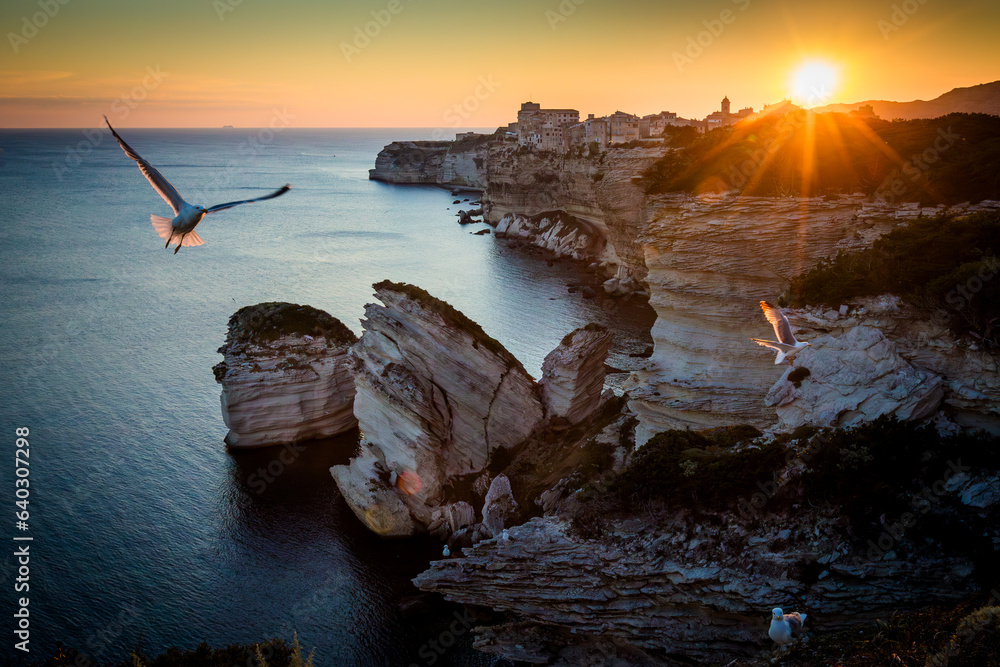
{"x": 470, "y": 63}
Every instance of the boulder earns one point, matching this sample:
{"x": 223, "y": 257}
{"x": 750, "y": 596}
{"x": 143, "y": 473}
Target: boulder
{"x": 852, "y": 379}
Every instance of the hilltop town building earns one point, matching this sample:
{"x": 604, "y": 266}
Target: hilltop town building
{"x": 561, "y": 129}
{"x": 543, "y": 129}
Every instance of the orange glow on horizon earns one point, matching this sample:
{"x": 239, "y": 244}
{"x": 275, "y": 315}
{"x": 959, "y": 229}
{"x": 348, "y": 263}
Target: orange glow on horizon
{"x": 469, "y": 65}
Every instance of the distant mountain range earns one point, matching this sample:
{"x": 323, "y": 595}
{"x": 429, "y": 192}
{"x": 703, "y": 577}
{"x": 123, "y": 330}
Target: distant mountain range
{"x": 984, "y": 98}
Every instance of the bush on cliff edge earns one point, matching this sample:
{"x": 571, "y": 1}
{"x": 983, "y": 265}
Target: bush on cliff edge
{"x": 949, "y": 263}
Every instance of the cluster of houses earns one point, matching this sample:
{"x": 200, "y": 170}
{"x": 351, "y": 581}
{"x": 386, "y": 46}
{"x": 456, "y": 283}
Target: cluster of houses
{"x": 561, "y": 129}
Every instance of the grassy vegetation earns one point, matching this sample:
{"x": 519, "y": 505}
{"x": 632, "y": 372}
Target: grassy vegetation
{"x": 700, "y": 468}
{"x": 470, "y": 143}
{"x": 274, "y": 319}
{"x": 870, "y": 473}
{"x": 946, "y": 262}
{"x": 944, "y": 160}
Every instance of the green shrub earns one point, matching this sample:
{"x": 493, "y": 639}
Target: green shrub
{"x": 945, "y": 262}
{"x": 686, "y": 466}
{"x": 806, "y": 154}
{"x": 273, "y": 319}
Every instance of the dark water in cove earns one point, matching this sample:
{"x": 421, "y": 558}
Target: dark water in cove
{"x": 145, "y": 529}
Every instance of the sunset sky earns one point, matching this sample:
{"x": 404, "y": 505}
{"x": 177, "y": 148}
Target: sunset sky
{"x": 206, "y": 63}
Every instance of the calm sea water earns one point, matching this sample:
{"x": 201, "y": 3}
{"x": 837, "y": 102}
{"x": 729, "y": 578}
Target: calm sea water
{"x": 145, "y": 529}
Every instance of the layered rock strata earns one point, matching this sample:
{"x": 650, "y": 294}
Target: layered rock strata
{"x": 710, "y": 260}
{"x": 498, "y": 506}
{"x": 435, "y": 397}
{"x": 852, "y": 379}
{"x": 573, "y": 374}
{"x": 970, "y": 376}
{"x": 559, "y": 233}
{"x": 597, "y": 192}
{"x": 444, "y": 163}
{"x": 689, "y": 589}
{"x": 285, "y": 376}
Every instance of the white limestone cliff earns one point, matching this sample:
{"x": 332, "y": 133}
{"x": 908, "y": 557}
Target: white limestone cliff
{"x": 710, "y": 260}
{"x": 573, "y": 374}
{"x": 285, "y": 377}
{"x": 852, "y": 379}
{"x": 435, "y": 397}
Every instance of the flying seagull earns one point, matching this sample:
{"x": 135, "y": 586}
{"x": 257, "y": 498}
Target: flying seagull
{"x": 785, "y": 627}
{"x": 180, "y": 229}
{"x": 786, "y": 346}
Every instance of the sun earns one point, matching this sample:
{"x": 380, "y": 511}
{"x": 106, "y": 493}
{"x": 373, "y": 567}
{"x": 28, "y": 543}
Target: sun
{"x": 813, "y": 83}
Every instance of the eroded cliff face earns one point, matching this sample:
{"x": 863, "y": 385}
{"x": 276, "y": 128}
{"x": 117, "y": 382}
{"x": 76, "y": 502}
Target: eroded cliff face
{"x": 710, "y": 260}
{"x": 445, "y": 163}
{"x": 684, "y": 586}
{"x": 435, "y": 396}
{"x": 963, "y": 379}
{"x": 285, "y": 377}
{"x": 597, "y": 191}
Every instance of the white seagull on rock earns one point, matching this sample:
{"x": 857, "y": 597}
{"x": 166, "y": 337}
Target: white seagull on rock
{"x": 786, "y": 346}
{"x": 785, "y": 627}
{"x": 180, "y": 229}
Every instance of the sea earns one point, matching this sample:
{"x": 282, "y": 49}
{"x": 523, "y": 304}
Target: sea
{"x": 144, "y": 530}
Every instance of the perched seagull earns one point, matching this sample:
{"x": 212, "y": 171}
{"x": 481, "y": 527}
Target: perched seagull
{"x": 786, "y": 345}
{"x": 180, "y": 230}
{"x": 446, "y": 552}
{"x": 505, "y": 536}
{"x": 785, "y": 627}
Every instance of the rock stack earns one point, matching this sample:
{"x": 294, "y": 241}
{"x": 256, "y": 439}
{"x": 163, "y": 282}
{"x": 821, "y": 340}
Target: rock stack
{"x": 435, "y": 397}
{"x": 285, "y": 378}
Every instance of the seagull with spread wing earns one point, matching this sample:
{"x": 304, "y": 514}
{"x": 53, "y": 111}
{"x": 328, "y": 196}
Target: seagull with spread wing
{"x": 786, "y": 346}
{"x": 180, "y": 229}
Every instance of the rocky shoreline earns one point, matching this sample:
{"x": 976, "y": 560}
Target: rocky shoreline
{"x": 660, "y": 527}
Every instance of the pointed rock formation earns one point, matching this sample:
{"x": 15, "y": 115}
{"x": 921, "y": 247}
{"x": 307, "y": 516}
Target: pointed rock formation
{"x": 855, "y": 378}
{"x": 285, "y": 377}
{"x": 499, "y": 505}
{"x": 435, "y": 397}
{"x": 573, "y": 373}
